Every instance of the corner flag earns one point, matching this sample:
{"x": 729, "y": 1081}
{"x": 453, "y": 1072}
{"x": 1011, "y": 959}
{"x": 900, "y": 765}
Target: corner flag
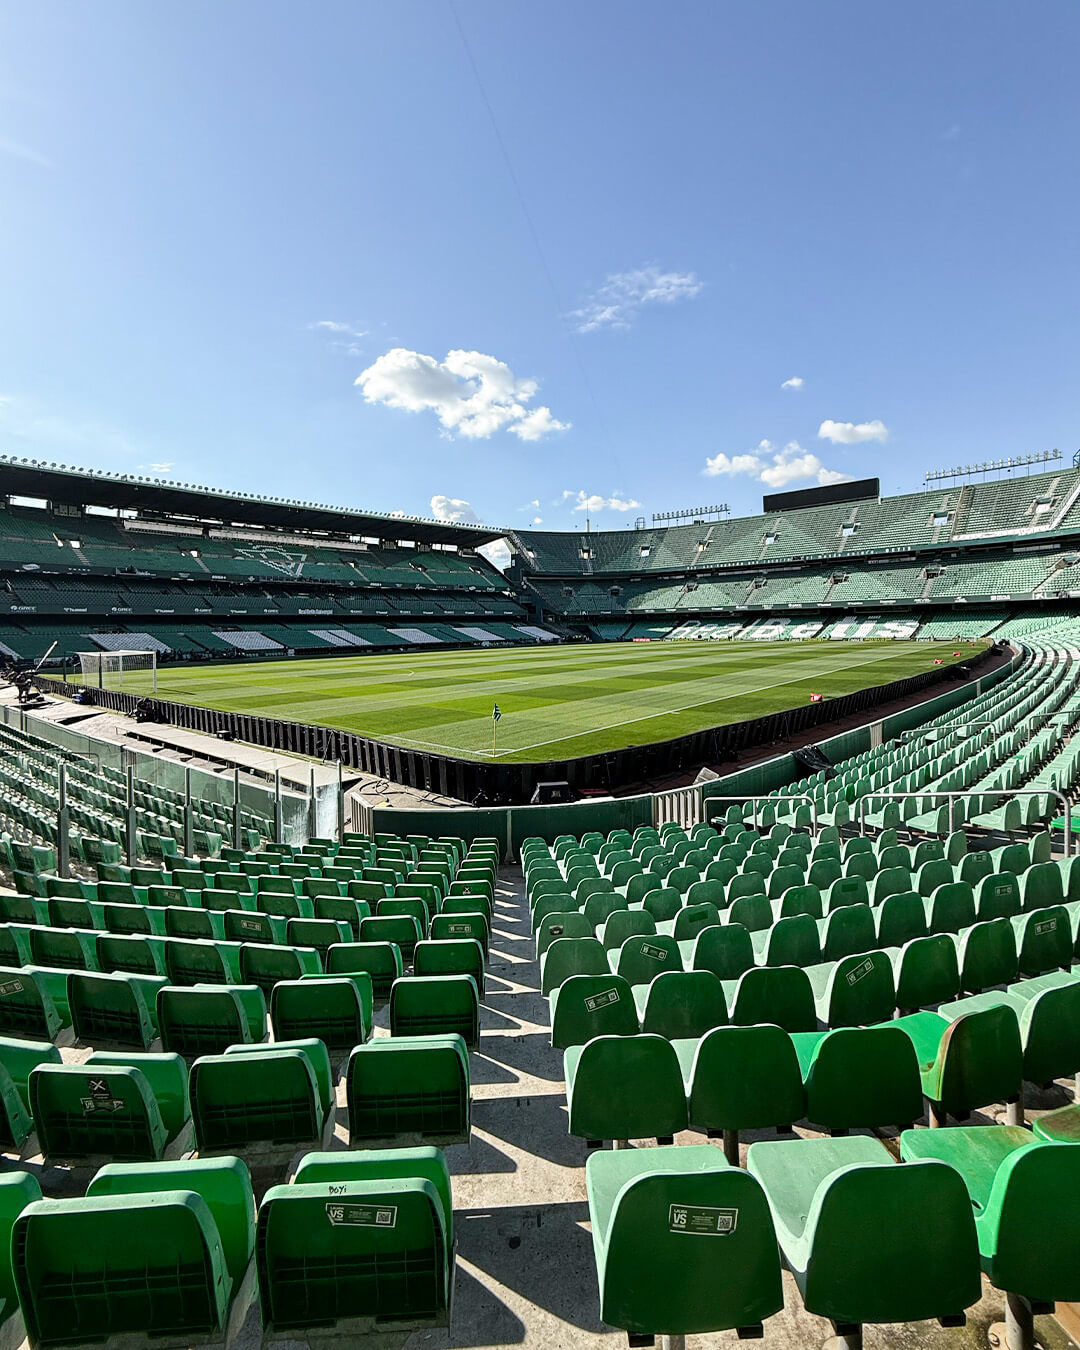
{"x": 495, "y": 713}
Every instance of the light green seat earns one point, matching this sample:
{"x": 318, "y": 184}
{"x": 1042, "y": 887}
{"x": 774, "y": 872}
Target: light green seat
{"x": 113, "y": 1009}
{"x": 333, "y": 1010}
{"x": 657, "y": 1215}
{"x": 436, "y": 1004}
{"x": 205, "y": 1019}
{"x": 1014, "y": 1183}
{"x": 968, "y": 1060}
{"x": 255, "y": 1097}
{"x": 380, "y": 960}
{"x": 828, "y": 1195}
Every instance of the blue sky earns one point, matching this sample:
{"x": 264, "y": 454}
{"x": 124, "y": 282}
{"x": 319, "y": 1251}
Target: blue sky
{"x": 569, "y": 251}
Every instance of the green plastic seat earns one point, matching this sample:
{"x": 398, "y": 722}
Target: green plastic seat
{"x": 900, "y": 919}
{"x": 741, "y": 1078}
{"x": 452, "y": 926}
{"x": 83, "y": 1111}
{"x": 854, "y": 991}
{"x": 987, "y": 955}
{"x": 380, "y": 960}
{"x": 859, "y": 1077}
{"x": 17, "y": 1191}
{"x": 18, "y": 1059}
{"x": 196, "y": 961}
{"x": 828, "y": 1195}
{"x": 332, "y": 1010}
{"x": 925, "y": 972}
{"x": 324, "y": 1265}
{"x": 968, "y": 1060}
{"x": 847, "y": 931}
{"x": 793, "y": 941}
{"x": 409, "y": 1089}
{"x": 434, "y": 1005}
{"x": 451, "y": 956}
{"x": 998, "y": 895}
{"x": 266, "y": 1096}
{"x": 1014, "y": 1183}
{"x": 1044, "y": 940}
{"x": 113, "y": 1009}
{"x": 584, "y": 1006}
{"x": 196, "y": 1020}
{"x": 27, "y": 1008}
{"x": 571, "y": 956}
{"x": 640, "y": 959}
{"x": 681, "y": 1004}
{"x": 223, "y": 1183}
{"x": 624, "y": 1087}
{"x": 779, "y": 994}
{"x": 727, "y": 951}
{"x": 658, "y": 1215}
{"x": 264, "y": 964}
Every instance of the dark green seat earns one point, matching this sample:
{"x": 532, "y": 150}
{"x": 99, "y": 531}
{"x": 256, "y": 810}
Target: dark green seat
{"x": 196, "y": 961}
{"x": 113, "y": 1009}
{"x": 342, "y": 908}
{"x": 728, "y": 951}
{"x": 104, "y": 1108}
{"x": 403, "y": 930}
{"x": 900, "y": 918}
{"x": 154, "y": 1249}
{"x": 571, "y": 956}
{"x": 198, "y": 1020}
{"x": 266, "y": 1096}
{"x": 584, "y": 1006}
{"x": 380, "y": 960}
{"x": 656, "y": 1216}
{"x": 1014, "y": 1184}
{"x": 987, "y": 955}
{"x": 967, "y": 1060}
{"x": 847, "y": 931}
{"x": 681, "y": 1004}
{"x": 435, "y": 1005}
{"x": 855, "y": 991}
{"x": 18, "y": 1059}
{"x": 828, "y": 1196}
{"x": 27, "y": 1008}
{"x": 798, "y": 900}
{"x": 415, "y": 1087}
{"x": 789, "y": 942}
{"x": 264, "y": 964}
{"x": 640, "y": 959}
{"x": 62, "y": 948}
{"x": 326, "y": 1265}
{"x": 859, "y": 1077}
{"x": 624, "y": 1087}
{"x": 779, "y": 994}
{"x": 451, "y": 956}
{"x": 741, "y": 1078}
{"x": 925, "y": 972}
{"x": 332, "y": 1010}
{"x": 1044, "y": 940}
{"x": 998, "y": 895}
{"x": 568, "y": 924}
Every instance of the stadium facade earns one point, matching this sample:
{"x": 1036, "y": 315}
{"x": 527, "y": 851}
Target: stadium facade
{"x": 93, "y": 561}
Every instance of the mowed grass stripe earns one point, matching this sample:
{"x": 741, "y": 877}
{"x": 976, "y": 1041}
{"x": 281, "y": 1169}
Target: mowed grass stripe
{"x": 557, "y": 702}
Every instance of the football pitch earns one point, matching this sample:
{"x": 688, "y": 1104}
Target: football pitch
{"x": 556, "y": 702}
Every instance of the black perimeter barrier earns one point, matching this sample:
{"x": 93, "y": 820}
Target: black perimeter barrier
{"x": 511, "y": 784}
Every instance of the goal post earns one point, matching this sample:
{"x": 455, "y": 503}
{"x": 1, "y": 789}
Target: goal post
{"x": 110, "y": 670}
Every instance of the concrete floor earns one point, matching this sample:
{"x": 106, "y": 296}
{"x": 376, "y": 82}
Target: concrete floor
{"x": 525, "y": 1269}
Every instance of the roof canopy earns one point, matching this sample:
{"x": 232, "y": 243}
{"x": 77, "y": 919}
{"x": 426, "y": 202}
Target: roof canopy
{"x": 160, "y": 497}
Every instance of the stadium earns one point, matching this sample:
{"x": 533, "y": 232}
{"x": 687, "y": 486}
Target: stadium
{"x": 259, "y": 949}
{"x": 453, "y": 895}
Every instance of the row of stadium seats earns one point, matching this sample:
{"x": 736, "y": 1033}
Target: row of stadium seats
{"x": 177, "y": 1251}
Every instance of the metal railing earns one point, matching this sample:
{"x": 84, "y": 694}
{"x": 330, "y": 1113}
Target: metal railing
{"x": 767, "y": 797}
{"x": 682, "y": 805}
{"x": 952, "y": 796}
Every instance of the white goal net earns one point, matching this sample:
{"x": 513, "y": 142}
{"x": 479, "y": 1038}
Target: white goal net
{"x": 134, "y": 671}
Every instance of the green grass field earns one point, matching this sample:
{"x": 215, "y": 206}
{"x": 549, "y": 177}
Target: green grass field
{"x": 557, "y": 702}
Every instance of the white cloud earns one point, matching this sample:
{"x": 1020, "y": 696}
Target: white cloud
{"x": 796, "y": 382}
{"x": 585, "y": 501}
{"x": 497, "y": 553}
{"x": 336, "y": 326}
{"x": 849, "y": 433}
{"x": 615, "y": 304}
{"x": 453, "y": 509}
{"x": 472, "y": 395}
{"x": 162, "y": 467}
{"x": 16, "y": 150}
{"x": 537, "y": 520}
{"x": 399, "y": 514}
{"x": 776, "y": 468}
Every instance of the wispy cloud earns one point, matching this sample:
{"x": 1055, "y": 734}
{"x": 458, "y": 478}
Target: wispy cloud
{"x": 471, "y": 394}
{"x": 346, "y": 336}
{"x": 796, "y": 382}
{"x": 775, "y": 468}
{"x": 163, "y": 467}
{"x": 616, "y": 303}
{"x": 16, "y": 150}
{"x": 851, "y": 433}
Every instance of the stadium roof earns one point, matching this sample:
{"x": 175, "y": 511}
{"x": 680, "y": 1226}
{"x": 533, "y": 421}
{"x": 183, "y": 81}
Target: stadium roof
{"x": 157, "y": 496}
